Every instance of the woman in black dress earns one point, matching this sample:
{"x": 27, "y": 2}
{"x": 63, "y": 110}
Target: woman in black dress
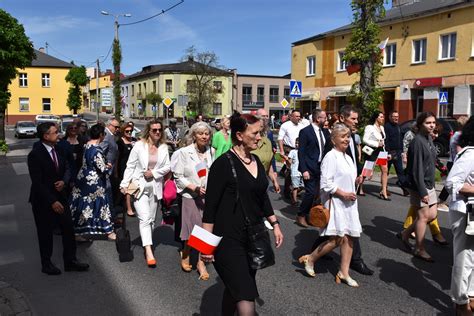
{"x": 125, "y": 145}
{"x": 74, "y": 149}
{"x": 224, "y": 217}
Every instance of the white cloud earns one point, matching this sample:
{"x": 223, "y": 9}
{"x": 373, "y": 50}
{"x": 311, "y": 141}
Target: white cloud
{"x": 52, "y": 24}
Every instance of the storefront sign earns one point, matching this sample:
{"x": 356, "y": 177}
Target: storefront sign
{"x": 428, "y": 82}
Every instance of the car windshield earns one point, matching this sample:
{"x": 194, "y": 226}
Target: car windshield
{"x": 26, "y": 124}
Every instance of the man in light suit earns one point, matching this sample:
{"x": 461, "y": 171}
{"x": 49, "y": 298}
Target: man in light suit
{"x": 110, "y": 148}
{"x": 49, "y": 172}
{"x": 350, "y": 117}
{"x": 312, "y": 140}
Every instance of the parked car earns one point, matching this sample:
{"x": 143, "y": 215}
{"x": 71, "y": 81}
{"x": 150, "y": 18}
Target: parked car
{"x": 42, "y": 118}
{"x": 25, "y": 129}
{"x": 442, "y": 142}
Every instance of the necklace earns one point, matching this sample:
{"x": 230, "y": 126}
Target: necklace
{"x": 241, "y": 159}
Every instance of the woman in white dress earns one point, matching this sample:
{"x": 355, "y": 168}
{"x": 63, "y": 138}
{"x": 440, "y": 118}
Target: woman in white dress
{"x": 338, "y": 192}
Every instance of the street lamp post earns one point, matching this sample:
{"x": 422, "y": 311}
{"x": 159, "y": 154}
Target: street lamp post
{"x": 116, "y": 24}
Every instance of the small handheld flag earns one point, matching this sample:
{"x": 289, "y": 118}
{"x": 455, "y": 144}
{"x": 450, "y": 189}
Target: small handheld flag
{"x": 368, "y": 169}
{"x": 382, "y": 159}
{"x": 203, "y": 241}
{"x": 201, "y": 169}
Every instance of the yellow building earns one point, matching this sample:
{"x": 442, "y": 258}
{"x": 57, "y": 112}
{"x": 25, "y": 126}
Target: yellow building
{"x": 430, "y": 51}
{"x": 39, "y": 89}
{"x": 171, "y": 80}
{"x": 105, "y": 82}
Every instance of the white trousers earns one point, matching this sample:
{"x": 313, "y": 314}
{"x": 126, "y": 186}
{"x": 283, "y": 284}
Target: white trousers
{"x": 146, "y": 212}
{"x": 462, "y": 278}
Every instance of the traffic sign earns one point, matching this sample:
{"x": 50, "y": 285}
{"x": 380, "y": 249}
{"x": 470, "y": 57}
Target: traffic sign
{"x": 153, "y": 108}
{"x": 296, "y": 88}
{"x": 443, "y": 97}
{"x": 284, "y": 103}
{"x": 167, "y": 102}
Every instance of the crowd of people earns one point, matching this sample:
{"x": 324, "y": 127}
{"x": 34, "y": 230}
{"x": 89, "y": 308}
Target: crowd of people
{"x": 221, "y": 178}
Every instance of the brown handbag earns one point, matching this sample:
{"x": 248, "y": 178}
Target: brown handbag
{"x": 319, "y": 215}
{"x": 133, "y": 189}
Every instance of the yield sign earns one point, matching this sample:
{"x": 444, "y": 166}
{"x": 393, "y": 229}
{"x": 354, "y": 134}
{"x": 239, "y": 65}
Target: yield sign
{"x": 167, "y": 102}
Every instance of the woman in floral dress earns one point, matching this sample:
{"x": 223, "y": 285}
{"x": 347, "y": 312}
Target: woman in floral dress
{"x": 90, "y": 206}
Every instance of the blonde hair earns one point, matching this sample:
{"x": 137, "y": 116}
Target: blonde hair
{"x": 339, "y": 130}
{"x": 147, "y": 130}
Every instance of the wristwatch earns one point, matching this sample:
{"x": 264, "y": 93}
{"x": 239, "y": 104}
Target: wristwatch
{"x": 274, "y": 223}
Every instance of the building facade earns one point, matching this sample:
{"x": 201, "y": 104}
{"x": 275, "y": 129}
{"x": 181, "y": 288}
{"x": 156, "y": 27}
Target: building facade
{"x": 430, "y": 50}
{"x": 39, "y": 89}
{"x": 173, "y": 81}
{"x": 262, "y": 92}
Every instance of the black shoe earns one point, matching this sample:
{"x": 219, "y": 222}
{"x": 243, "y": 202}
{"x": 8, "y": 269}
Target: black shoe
{"x": 50, "y": 269}
{"x": 76, "y": 266}
{"x": 362, "y": 268}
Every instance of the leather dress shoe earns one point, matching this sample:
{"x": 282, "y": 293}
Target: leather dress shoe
{"x": 50, "y": 269}
{"x": 76, "y": 266}
{"x": 301, "y": 221}
{"x": 362, "y": 268}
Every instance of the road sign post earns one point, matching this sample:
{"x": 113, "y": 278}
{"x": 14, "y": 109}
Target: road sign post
{"x": 296, "y": 91}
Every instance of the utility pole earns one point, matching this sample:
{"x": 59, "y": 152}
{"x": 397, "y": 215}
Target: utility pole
{"x": 97, "y": 105}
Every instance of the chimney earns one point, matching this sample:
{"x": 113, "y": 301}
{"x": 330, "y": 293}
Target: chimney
{"x": 41, "y": 49}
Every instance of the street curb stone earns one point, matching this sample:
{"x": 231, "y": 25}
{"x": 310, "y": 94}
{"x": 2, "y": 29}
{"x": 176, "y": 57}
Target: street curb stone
{"x": 12, "y": 301}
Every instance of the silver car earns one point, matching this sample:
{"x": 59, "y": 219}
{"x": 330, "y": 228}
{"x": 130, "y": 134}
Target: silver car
{"x": 25, "y": 129}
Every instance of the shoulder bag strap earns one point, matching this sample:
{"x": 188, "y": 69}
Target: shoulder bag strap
{"x": 237, "y": 200}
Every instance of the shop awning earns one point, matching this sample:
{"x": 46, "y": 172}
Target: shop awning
{"x": 310, "y": 96}
{"x": 338, "y": 93}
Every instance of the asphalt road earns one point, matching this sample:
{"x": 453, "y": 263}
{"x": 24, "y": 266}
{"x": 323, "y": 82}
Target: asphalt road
{"x": 400, "y": 285}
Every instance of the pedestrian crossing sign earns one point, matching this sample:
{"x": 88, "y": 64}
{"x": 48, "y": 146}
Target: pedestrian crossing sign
{"x": 295, "y": 89}
{"x": 443, "y": 98}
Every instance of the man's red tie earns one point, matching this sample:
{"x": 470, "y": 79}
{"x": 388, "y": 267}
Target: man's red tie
{"x": 55, "y": 159}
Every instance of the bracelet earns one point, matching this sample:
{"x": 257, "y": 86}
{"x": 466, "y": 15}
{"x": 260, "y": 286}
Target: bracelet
{"x": 275, "y": 223}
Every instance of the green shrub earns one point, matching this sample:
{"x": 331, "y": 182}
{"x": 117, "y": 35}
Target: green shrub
{"x": 3, "y": 146}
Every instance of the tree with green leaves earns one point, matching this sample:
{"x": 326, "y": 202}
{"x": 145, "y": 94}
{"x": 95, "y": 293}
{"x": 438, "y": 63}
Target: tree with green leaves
{"x": 77, "y": 77}
{"x": 16, "y": 52}
{"x": 154, "y": 99}
{"x": 202, "y": 91}
{"x": 116, "y": 60}
{"x": 366, "y": 93}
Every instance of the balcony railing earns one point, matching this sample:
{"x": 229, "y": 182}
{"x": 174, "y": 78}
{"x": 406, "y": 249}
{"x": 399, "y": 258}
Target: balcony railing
{"x": 260, "y": 98}
{"x": 274, "y": 99}
{"x": 246, "y": 98}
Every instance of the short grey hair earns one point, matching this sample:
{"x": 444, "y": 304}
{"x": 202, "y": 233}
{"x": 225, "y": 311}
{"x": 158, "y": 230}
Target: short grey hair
{"x": 111, "y": 120}
{"x": 338, "y": 130}
{"x": 199, "y": 126}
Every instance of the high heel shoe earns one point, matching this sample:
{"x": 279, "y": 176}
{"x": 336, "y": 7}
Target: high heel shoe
{"x": 348, "y": 280}
{"x": 383, "y": 197}
{"x": 185, "y": 266}
{"x": 203, "y": 275}
{"x": 307, "y": 266}
{"x": 151, "y": 263}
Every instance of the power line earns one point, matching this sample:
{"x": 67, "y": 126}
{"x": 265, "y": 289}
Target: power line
{"x": 154, "y": 16}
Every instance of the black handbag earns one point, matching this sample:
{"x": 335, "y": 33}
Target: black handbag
{"x": 259, "y": 249}
{"x": 123, "y": 242}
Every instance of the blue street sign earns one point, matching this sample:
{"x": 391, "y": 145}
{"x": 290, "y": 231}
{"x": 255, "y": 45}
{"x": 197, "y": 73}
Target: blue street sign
{"x": 443, "y": 98}
{"x": 296, "y": 88}
{"x": 153, "y": 108}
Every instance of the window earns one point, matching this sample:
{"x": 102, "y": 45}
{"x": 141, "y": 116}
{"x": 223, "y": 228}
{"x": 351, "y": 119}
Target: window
{"x": 139, "y": 88}
{"x": 133, "y": 90}
{"x": 126, "y": 91}
{"x": 23, "y": 79}
{"x": 144, "y": 88}
{"x": 419, "y": 51}
{"x": 341, "y": 63}
{"x": 218, "y": 86}
{"x": 286, "y": 93}
{"x": 447, "y": 46}
{"x": 446, "y": 110}
{"x": 310, "y": 65}
{"x": 260, "y": 94}
{"x": 46, "y": 105}
{"x": 24, "y": 104}
{"x": 190, "y": 86}
{"x": 274, "y": 92}
{"x": 390, "y": 55}
{"x": 217, "y": 109}
{"x": 45, "y": 80}
{"x": 168, "y": 85}
{"x": 247, "y": 94}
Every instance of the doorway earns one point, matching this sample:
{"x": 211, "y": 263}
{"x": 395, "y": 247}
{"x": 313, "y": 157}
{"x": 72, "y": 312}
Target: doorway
{"x": 417, "y": 97}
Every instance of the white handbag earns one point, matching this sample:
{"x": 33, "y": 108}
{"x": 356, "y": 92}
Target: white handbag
{"x": 367, "y": 150}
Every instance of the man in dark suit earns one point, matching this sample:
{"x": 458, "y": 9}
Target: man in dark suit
{"x": 312, "y": 140}
{"x": 350, "y": 117}
{"x": 49, "y": 172}
{"x": 110, "y": 148}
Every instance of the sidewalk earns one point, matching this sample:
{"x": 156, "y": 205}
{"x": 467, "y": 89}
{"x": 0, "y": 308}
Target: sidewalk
{"x": 12, "y": 301}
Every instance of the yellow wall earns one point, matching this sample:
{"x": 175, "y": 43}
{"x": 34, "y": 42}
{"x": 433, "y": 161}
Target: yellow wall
{"x": 104, "y": 82}
{"x": 57, "y": 92}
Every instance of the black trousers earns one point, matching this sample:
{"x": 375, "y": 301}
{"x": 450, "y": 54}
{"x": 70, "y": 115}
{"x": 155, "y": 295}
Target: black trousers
{"x": 356, "y": 251}
{"x": 46, "y": 219}
{"x": 311, "y": 193}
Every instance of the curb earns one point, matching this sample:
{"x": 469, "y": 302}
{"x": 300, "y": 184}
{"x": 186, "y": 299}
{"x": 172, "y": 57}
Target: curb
{"x": 12, "y": 301}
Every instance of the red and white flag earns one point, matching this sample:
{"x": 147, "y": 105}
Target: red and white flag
{"x": 201, "y": 169}
{"x": 368, "y": 169}
{"x": 383, "y": 44}
{"x": 203, "y": 241}
{"x": 382, "y": 159}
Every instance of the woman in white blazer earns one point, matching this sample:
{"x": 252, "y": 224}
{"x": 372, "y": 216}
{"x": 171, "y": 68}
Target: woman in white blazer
{"x": 147, "y": 165}
{"x": 190, "y": 169}
{"x": 374, "y": 137}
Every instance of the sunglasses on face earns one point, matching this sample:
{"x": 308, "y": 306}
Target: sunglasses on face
{"x": 128, "y": 131}
{"x": 116, "y": 126}
{"x": 156, "y": 130}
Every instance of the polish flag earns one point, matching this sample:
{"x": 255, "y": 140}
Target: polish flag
{"x": 203, "y": 241}
{"x": 383, "y": 44}
{"x": 201, "y": 169}
{"x": 382, "y": 159}
{"x": 368, "y": 169}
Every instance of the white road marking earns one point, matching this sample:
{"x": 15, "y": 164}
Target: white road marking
{"x": 20, "y": 168}
{"x": 18, "y": 152}
{"x": 8, "y": 224}
{"x": 11, "y": 256}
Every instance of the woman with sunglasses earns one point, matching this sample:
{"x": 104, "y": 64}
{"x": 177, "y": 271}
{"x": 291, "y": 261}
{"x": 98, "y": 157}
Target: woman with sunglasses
{"x": 74, "y": 149}
{"x": 125, "y": 145}
{"x": 146, "y": 167}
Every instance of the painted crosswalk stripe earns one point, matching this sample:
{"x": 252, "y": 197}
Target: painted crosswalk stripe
{"x": 21, "y": 168}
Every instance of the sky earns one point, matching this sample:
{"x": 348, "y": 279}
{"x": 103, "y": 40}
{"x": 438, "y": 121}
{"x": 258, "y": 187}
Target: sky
{"x": 253, "y": 36}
